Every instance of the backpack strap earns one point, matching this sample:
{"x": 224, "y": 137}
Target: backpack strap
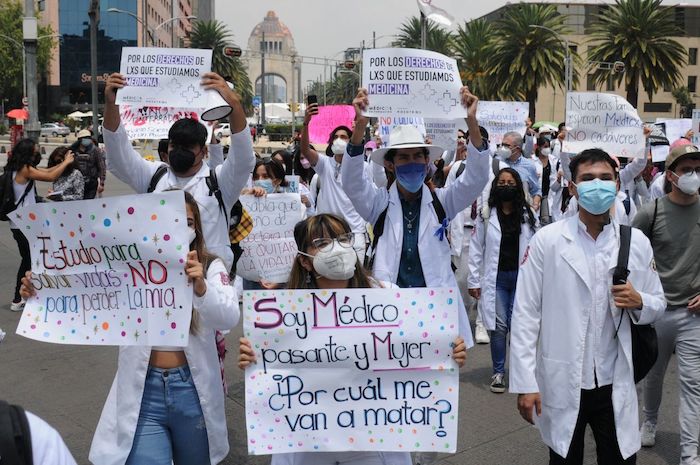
{"x": 627, "y": 202}
{"x": 621, "y": 271}
{"x": 495, "y": 166}
{"x": 213, "y": 185}
{"x": 15, "y": 436}
{"x": 653, "y": 221}
{"x": 157, "y": 176}
{"x": 461, "y": 169}
{"x": 439, "y": 209}
{"x": 27, "y": 190}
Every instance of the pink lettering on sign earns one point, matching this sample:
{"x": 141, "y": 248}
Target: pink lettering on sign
{"x": 330, "y": 117}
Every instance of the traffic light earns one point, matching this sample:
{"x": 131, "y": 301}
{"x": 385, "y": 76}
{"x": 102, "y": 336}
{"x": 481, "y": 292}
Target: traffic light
{"x": 232, "y": 52}
{"x": 293, "y": 107}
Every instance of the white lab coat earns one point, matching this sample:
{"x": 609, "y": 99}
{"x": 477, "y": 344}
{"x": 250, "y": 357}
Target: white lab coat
{"x": 553, "y": 301}
{"x": 554, "y": 185}
{"x": 218, "y": 310}
{"x": 484, "y": 251}
{"x": 370, "y": 201}
{"x": 130, "y": 167}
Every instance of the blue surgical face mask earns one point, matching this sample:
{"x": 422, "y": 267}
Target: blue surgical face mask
{"x": 411, "y": 176}
{"x": 265, "y": 184}
{"x": 596, "y": 196}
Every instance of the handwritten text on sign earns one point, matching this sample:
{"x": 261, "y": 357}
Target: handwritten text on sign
{"x": 351, "y": 369}
{"x": 106, "y": 273}
{"x": 499, "y": 118}
{"x": 154, "y": 122}
{"x": 164, "y": 77}
{"x": 605, "y": 121}
{"x": 410, "y": 82}
{"x": 269, "y": 250}
{"x": 329, "y": 117}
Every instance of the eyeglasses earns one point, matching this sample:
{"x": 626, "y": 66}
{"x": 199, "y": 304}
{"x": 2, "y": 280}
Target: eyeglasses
{"x": 690, "y": 170}
{"x": 325, "y": 243}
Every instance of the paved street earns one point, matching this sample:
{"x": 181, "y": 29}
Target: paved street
{"x": 67, "y": 386}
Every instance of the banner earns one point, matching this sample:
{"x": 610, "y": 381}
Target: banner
{"x": 352, "y": 370}
{"x": 153, "y": 123}
{"x": 269, "y": 250}
{"x": 676, "y": 128}
{"x": 164, "y": 77}
{"x": 604, "y": 121}
{"x": 107, "y": 273}
{"x": 387, "y": 123}
{"x": 330, "y": 117}
{"x": 499, "y": 118}
{"x": 443, "y": 132}
{"x": 411, "y": 82}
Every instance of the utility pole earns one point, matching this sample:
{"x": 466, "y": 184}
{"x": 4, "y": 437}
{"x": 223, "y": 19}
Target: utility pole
{"x": 293, "y": 100}
{"x": 174, "y": 25}
{"x": 94, "y": 14}
{"x": 263, "y": 46}
{"x": 30, "y": 35}
{"x": 374, "y": 39}
{"x": 423, "y": 31}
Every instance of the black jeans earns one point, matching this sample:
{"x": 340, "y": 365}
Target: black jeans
{"x": 26, "y": 263}
{"x": 596, "y": 410}
{"x": 90, "y": 190}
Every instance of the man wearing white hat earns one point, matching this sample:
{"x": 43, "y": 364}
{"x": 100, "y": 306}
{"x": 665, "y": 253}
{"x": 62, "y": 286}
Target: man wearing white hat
{"x": 410, "y": 219}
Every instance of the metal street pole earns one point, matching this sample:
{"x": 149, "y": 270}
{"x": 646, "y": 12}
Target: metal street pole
{"x": 94, "y": 14}
{"x": 30, "y": 34}
{"x": 293, "y": 100}
{"x": 263, "y": 46}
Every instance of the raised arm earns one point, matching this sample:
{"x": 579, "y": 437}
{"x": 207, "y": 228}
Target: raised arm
{"x": 48, "y": 174}
{"x": 309, "y": 153}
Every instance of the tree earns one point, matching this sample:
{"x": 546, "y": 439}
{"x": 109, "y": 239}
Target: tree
{"x": 215, "y": 35}
{"x": 470, "y": 46}
{"x": 684, "y": 100}
{"x": 639, "y": 34}
{"x": 525, "y": 58}
{"x": 438, "y": 39}
{"x": 11, "y": 70}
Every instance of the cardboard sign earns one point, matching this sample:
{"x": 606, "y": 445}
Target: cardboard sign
{"x": 164, "y": 77}
{"x": 410, "y": 82}
{"x": 605, "y": 121}
{"x": 106, "y": 272}
{"x": 269, "y": 250}
{"x": 329, "y": 117}
{"x": 352, "y": 370}
{"x": 153, "y": 123}
{"x": 499, "y": 118}
{"x": 443, "y": 132}
{"x": 387, "y": 123}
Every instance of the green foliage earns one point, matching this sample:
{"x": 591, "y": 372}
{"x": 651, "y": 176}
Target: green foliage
{"x": 3, "y": 129}
{"x": 470, "y": 46}
{"x": 438, "y": 39}
{"x": 215, "y": 35}
{"x": 639, "y": 34}
{"x": 684, "y": 100}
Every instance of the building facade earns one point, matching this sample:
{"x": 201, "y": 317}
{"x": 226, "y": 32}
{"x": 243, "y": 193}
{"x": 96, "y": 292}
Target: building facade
{"x": 580, "y": 15}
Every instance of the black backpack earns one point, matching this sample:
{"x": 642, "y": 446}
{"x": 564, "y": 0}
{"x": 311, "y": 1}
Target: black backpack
{"x": 8, "y": 203}
{"x": 645, "y": 349}
{"x": 15, "y": 437}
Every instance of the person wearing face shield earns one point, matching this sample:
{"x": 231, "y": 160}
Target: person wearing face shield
{"x": 186, "y": 168}
{"x": 571, "y": 336}
{"x": 672, "y": 224}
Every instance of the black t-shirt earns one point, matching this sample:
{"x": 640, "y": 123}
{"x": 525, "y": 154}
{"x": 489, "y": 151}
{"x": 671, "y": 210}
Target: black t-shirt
{"x": 510, "y": 241}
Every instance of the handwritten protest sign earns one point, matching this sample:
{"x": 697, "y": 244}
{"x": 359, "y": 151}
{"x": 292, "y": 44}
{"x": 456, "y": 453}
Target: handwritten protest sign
{"x": 605, "y": 121}
{"x": 329, "y": 117}
{"x": 164, "y": 77}
{"x": 410, "y": 82}
{"x": 499, "y": 118}
{"x": 106, "y": 272}
{"x": 153, "y": 123}
{"x": 351, "y": 369}
{"x": 443, "y": 133}
{"x": 675, "y": 128}
{"x": 658, "y": 142}
{"x": 269, "y": 250}
{"x": 696, "y": 127}
{"x": 387, "y": 123}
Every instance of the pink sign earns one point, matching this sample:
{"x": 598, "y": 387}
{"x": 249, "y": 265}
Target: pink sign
{"x": 330, "y": 117}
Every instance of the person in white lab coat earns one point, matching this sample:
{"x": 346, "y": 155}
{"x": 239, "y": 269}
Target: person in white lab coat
{"x": 571, "y": 349}
{"x": 413, "y": 249}
{"x": 496, "y": 248}
{"x": 550, "y": 182}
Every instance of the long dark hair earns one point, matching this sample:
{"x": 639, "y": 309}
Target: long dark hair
{"x": 305, "y": 174}
{"x": 57, "y": 157}
{"x": 329, "y": 152}
{"x": 23, "y": 154}
{"x": 274, "y": 171}
{"x": 519, "y": 202}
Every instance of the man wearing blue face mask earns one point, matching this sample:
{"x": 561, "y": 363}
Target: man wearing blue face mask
{"x": 571, "y": 335}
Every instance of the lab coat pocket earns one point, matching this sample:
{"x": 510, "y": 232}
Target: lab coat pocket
{"x": 554, "y": 382}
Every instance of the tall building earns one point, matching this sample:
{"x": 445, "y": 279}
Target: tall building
{"x": 282, "y": 74}
{"x": 580, "y": 15}
{"x": 67, "y": 86}
{"x": 204, "y": 9}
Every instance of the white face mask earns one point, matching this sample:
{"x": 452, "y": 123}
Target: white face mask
{"x": 338, "y": 147}
{"x": 688, "y": 183}
{"x": 335, "y": 262}
{"x": 503, "y": 153}
{"x": 192, "y": 234}
{"x": 546, "y": 151}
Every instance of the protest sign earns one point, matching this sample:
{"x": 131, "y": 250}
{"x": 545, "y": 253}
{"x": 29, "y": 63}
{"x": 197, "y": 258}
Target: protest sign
{"x": 153, "y": 123}
{"x": 695, "y": 126}
{"x": 675, "y": 128}
{"x": 106, "y": 273}
{"x": 443, "y": 132}
{"x": 269, "y": 250}
{"x": 292, "y": 183}
{"x": 604, "y": 121}
{"x": 352, "y": 369}
{"x": 499, "y": 118}
{"x": 658, "y": 142}
{"x": 164, "y": 77}
{"x": 387, "y": 123}
{"x": 410, "y": 82}
{"x": 329, "y": 117}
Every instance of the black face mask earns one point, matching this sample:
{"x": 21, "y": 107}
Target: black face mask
{"x": 181, "y": 159}
{"x": 506, "y": 193}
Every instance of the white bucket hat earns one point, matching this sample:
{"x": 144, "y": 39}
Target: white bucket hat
{"x": 406, "y": 136}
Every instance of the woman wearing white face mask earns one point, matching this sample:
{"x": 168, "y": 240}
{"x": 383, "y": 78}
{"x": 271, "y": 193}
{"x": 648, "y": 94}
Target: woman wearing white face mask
{"x": 326, "y": 260}
{"x": 546, "y": 165}
{"x": 166, "y": 404}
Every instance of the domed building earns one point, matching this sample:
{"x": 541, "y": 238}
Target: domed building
{"x": 281, "y": 74}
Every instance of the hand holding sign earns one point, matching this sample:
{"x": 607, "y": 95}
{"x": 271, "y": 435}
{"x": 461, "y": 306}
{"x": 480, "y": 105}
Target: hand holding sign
{"x": 115, "y": 81}
{"x": 360, "y": 103}
{"x": 195, "y": 272}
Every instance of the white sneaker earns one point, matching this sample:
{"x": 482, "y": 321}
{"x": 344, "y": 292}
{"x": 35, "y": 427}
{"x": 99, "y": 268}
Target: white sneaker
{"x": 648, "y": 432}
{"x": 482, "y": 336}
{"x": 17, "y": 306}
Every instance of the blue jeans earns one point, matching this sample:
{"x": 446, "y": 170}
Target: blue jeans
{"x": 171, "y": 426}
{"x": 505, "y": 295}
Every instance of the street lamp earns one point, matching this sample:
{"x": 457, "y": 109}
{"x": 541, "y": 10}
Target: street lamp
{"x": 568, "y": 76}
{"x": 150, "y": 31}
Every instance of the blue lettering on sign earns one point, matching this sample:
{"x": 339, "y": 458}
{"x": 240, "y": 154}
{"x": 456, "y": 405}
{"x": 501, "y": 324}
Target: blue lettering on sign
{"x": 388, "y": 89}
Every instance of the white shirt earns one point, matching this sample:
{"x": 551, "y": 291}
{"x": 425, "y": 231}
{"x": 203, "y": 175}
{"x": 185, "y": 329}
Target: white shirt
{"x": 656, "y": 190}
{"x": 600, "y": 346}
{"x": 19, "y": 190}
{"x": 331, "y": 198}
{"x": 48, "y": 447}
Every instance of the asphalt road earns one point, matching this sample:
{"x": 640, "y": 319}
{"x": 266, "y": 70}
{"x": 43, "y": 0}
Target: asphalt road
{"x": 67, "y": 386}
